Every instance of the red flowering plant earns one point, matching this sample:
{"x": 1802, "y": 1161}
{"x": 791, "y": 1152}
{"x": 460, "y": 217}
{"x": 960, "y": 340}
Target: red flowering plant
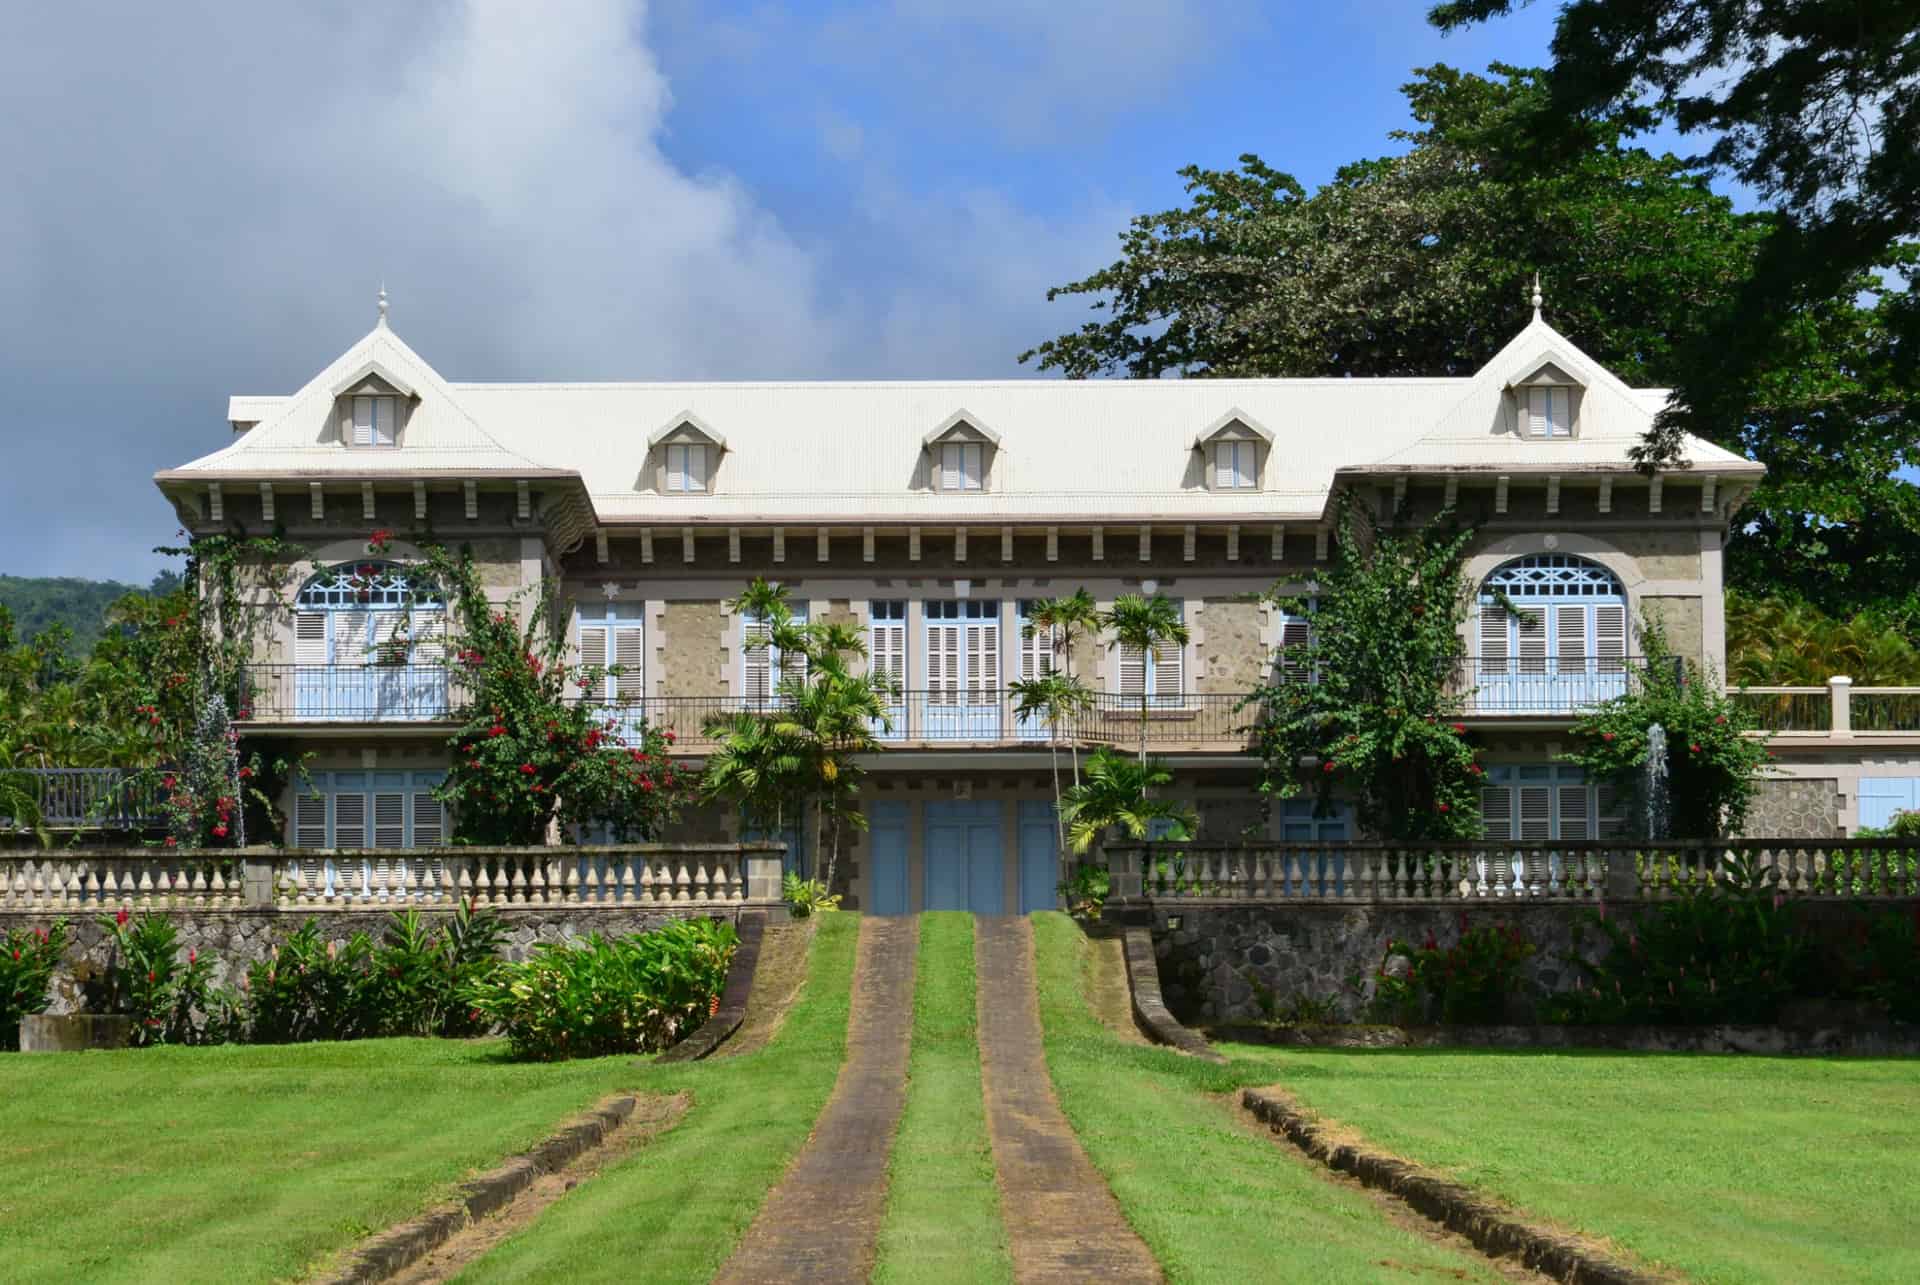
{"x": 28, "y": 957}
{"x": 1366, "y": 708}
{"x": 531, "y": 750}
{"x": 1469, "y": 981}
{"x": 166, "y": 991}
{"x": 1713, "y": 766}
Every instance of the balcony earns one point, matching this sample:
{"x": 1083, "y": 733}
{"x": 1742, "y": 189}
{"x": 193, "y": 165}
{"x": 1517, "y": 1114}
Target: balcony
{"x": 1839, "y": 709}
{"x": 90, "y": 798}
{"x": 1544, "y": 686}
{"x": 350, "y": 694}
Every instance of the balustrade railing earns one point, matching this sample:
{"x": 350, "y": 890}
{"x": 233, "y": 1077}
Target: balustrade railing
{"x": 1836, "y": 709}
{"x": 372, "y": 693}
{"x": 300, "y": 879}
{"x": 108, "y": 798}
{"x": 1573, "y": 870}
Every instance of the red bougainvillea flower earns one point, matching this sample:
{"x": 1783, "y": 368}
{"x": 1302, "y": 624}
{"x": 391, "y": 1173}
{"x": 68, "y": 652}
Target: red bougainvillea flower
{"x": 172, "y": 842}
{"x": 1328, "y": 766}
{"x": 219, "y": 832}
{"x": 1694, "y": 748}
{"x": 527, "y": 768}
{"x": 1459, "y": 729}
{"x": 1606, "y": 736}
{"x": 1446, "y": 807}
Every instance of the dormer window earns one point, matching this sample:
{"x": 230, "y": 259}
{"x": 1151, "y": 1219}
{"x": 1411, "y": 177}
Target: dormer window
{"x": 960, "y": 455}
{"x": 1231, "y": 451}
{"x": 683, "y": 456}
{"x": 1235, "y": 465}
{"x": 375, "y": 421}
{"x": 686, "y": 466}
{"x": 960, "y": 466}
{"x": 1549, "y": 412}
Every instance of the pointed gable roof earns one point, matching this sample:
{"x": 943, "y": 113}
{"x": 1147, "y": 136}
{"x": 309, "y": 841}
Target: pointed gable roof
{"x": 1476, "y": 431}
{"x": 299, "y": 436}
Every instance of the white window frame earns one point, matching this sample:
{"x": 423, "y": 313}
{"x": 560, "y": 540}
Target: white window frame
{"x": 689, "y": 468}
{"x": 1157, "y": 664}
{"x": 962, "y": 466}
{"x": 1538, "y": 414}
{"x": 766, "y": 664}
{"x": 1544, "y": 801}
{"x": 613, "y": 638}
{"x": 379, "y": 428}
{"x": 1236, "y": 464}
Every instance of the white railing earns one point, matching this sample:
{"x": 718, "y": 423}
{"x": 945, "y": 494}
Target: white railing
{"x": 86, "y": 881}
{"x": 1837, "y": 708}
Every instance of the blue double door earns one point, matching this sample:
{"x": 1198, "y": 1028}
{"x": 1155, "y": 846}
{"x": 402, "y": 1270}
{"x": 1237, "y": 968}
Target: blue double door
{"x": 963, "y": 857}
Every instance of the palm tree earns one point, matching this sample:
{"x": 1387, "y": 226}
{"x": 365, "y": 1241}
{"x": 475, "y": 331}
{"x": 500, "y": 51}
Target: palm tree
{"x": 1064, "y": 619}
{"x": 1116, "y": 793}
{"x": 1058, "y": 697}
{"x": 756, "y": 768}
{"x": 1145, "y": 625}
{"x": 833, "y": 713}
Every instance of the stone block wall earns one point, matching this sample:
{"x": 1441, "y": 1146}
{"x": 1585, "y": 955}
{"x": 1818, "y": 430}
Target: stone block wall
{"x": 1796, "y": 808}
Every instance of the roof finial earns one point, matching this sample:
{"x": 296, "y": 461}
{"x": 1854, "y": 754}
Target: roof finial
{"x": 383, "y": 305}
{"x": 1537, "y": 301}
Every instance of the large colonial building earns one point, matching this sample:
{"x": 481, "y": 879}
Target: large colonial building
{"x": 931, "y": 515}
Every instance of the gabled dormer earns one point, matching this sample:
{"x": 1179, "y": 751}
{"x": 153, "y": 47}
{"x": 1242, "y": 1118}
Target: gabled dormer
{"x": 371, "y": 406}
{"x": 961, "y": 453}
{"x": 684, "y": 456}
{"x": 1545, "y": 400}
{"x": 1233, "y": 451}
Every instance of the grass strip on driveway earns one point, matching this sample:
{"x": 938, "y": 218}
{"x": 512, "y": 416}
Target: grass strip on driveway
{"x": 943, "y": 1209}
{"x": 675, "y": 1210}
{"x": 1213, "y": 1198}
{"x": 1727, "y": 1168}
{"x": 251, "y": 1163}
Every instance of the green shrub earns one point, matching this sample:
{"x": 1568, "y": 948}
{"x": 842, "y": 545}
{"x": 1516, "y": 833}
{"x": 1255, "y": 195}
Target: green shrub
{"x": 418, "y": 975}
{"x": 806, "y": 897}
{"x": 600, "y": 996}
{"x": 28, "y": 957}
{"x": 1884, "y": 968}
{"x": 310, "y": 989}
{"x": 1467, "y": 982}
{"x": 1085, "y": 891}
{"x": 169, "y": 998}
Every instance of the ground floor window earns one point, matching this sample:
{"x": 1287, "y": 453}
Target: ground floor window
{"x": 1299, "y": 824}
{"x": 1534, "y": 802}
{"x": 369, "y": 810}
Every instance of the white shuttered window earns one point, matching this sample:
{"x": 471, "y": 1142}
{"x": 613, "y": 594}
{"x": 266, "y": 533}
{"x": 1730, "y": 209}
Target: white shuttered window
{"x": 1161, "y": 673}
{"x": 372, "y": 421}
{"x": 1537, "y": 803}
{"x": 1233, "y": 465}
{"x": 960, "y": 466}
{"x": 687, "y": 467}
{"x": 1549, "y": 412}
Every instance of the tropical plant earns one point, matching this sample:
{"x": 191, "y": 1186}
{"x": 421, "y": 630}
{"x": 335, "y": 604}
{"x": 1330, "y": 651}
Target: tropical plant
{"x": 419, "y": 973}
{"x": 1144, "y": 625}
{"x": 28, "y": 957}
{"x": 531, "y": 752}
{"x": 308, "y": 988}
{"x": 1470, "y": 981}
{"x": 1367, "y": 706}
{"x": 166, "y": 996}
{"x": 806, "y": 897}
{"x": 1116, "y": 793}
{"x": 1086, "y": 889}
{"x": 597, "y": 996}
{"x": 1059, "y": 698}
{"x": 1065, "y": 620}
{"x": 1712, "y": 765}
{"x": 1780, "y": 642}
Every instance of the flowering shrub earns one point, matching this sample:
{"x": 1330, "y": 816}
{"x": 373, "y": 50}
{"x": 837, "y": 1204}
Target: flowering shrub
{"x": 167, "y": 996}
{"x": 1467, "y": 982}
{"x": 1713, "y": 767}
{"x": 601, "y": 996}
{"x": 532, "y": 750}
{"x": 1368, "y": 700}
{"x": 28, "y": 957}
{"x": 310, "y": 989}
{"x": 419, "y": 974}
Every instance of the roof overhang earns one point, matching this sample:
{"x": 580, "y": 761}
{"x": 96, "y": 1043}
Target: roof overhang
{"x": 378, "y": 369}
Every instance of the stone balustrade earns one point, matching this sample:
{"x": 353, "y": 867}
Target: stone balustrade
{"x": 666, "y": 876}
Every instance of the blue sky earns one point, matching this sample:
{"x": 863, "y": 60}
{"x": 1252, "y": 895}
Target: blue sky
{"x": 599, "y": 189}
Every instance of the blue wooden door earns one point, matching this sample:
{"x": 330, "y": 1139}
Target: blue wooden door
{"x": 1882, "y": 796}
{"x": 963, "y": 858}
{"x": 1039, "y": 857}
{"x": 887, "y": 846}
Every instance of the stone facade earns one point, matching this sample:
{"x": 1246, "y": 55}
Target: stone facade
{"x": 693, "y": 649}
{"x": 1799, "y": 808}
{"x": 1684, "y": 620}
{"x": 1231, "y": 646}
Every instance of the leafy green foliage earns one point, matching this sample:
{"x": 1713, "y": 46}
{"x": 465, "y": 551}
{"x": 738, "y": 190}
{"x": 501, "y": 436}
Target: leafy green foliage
{"x": 1116, "y": 794}
{"x": 1086, "y": 889}
{"x": 81, "y": 607}
{"x": 1144, "y": 625}
{"x": 1713, "y": 766}
{"x": 1417, "y": 264}
{"x": 531, "y": 751}
{"x": 309, "y": 988}
{"x": 1777, "y": 642}
{"x": 1468, "y": 982}
{"x": 807, "y": 897}
{"x": 602, "y": 995}
{"x": 418, "y": 977}
{"x": 167, "y": 996}
{"x": 28, "y": 957}
{"x": 1367, "y": 705}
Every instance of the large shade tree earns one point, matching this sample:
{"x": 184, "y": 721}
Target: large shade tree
{"x": 1420, "y": 264}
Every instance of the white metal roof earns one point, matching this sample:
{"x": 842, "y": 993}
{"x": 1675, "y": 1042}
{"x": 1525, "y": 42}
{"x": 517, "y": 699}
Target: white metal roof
{"x": 796, "y": 451}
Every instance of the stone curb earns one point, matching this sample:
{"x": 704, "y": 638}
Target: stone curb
{"x": 752, "y": 926}
{"x": 1494, "y": 1230}
{"x": 1149, "y": 1009}
{"x": 390, "y": 1251}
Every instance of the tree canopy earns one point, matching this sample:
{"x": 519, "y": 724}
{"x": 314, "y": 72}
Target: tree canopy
{"x": 1420, "y": 264}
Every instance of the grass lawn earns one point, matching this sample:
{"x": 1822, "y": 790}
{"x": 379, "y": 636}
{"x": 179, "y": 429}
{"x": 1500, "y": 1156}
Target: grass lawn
{"x": 251, "y": 1163}
{"x": 675, "y": 1209}
{"x": 1726, "y": 1168}
{"x": 1213, "y": 1199}
{"x": 943, "y": 1207}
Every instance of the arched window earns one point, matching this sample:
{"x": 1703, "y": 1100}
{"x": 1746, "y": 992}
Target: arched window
{"x": 368, "y": 642}
{"x": 1562, "y": 645}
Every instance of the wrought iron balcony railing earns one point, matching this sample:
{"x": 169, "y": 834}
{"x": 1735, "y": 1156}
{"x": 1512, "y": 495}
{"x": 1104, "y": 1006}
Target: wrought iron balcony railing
{"x": 411, "y": 693}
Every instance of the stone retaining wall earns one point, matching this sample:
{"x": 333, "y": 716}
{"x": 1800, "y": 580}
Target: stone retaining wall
{"x": 234, "y": 939}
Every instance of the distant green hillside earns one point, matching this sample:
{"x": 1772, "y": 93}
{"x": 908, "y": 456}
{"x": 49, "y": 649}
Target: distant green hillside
{"x": 81, "y": 605}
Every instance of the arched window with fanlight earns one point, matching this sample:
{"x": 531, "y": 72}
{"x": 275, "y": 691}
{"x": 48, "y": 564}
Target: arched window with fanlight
{"x": 369, "y": 645}
{"x": 1551, "y": 634}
